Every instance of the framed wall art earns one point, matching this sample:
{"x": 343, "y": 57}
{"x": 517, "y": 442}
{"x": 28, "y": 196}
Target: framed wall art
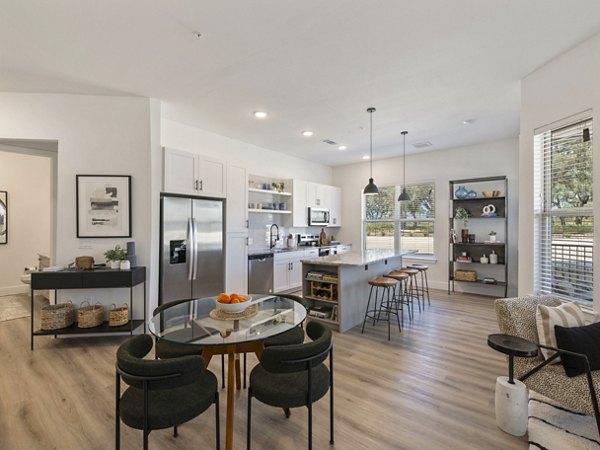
{"x": 3, "y": 217}
{"x": 103, "y": 206}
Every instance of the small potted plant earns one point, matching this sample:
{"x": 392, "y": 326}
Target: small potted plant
{"x": 462, "y": 214}
{"x": 115, "y": 256}
{"x": 492, "y": 236}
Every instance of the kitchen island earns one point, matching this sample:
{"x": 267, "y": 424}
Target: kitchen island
{"x": 336, "y": 286}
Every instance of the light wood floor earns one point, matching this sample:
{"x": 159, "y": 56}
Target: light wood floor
{"x": 430, "y": 387}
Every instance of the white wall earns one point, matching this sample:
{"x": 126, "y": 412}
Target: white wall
{"x": 96, "y": 135}
{"x": 27, "y": 179}
{"x": 567, "y": 85}
{"x": 489, "y": 159}
{"x": 257, "y": 160}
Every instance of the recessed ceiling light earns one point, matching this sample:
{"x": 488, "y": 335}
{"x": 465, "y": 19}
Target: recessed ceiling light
{"x": 307, "y": 133}
{"x": 468, "y": 121}
{"x": 260, "y": 114}
{"x": 342, "y": 147}
{"x": 366, "y": 157}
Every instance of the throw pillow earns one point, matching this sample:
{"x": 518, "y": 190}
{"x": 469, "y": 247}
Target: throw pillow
{"x": 585, "y": 340}
{"x": 546, "y": 317}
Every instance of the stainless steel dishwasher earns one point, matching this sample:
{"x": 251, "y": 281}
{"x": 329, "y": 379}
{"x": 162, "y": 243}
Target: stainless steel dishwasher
{"x": 260, "y": 273}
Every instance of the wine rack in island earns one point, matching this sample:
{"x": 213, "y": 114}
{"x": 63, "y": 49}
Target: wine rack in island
{"x": 322, "y": 293}
{"x": 478, "y": 234}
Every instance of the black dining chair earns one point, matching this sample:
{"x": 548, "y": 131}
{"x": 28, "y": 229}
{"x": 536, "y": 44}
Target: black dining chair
{"x": 164, "y": 349}
{"x": 291, "y": 376}
{"x": 161, "y": 393}
{"x": 293, "y": 336}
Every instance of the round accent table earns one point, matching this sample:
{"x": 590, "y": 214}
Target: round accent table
{"x": 511, "y": 394}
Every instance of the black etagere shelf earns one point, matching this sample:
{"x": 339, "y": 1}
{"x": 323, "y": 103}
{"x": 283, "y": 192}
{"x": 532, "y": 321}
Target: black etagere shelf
{"x": 474, "y": 204}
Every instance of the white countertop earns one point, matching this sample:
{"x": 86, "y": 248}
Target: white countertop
{"x": 357, "y": 258}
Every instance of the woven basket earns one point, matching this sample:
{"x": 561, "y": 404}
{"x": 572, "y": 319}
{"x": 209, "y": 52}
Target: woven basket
{"x": 118, "y": 316}
{"x": 90, "y": 316}
{"x": 465, "y": 275}
{"x": 57, "y": 316}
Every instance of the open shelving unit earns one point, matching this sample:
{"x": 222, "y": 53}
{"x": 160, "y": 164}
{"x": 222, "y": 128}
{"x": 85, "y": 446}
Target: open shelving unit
{"x": 264, "y": 198}
{"x": 493, "y": 275}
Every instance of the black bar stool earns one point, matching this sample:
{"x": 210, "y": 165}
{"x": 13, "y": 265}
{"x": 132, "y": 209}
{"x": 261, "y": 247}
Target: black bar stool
{"x": 424, "y": 288}
{"x": 400, "y": 297}
{"x": 387, "y": 306}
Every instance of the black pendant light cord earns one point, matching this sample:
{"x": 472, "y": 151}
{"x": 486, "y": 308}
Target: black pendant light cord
{"x": 371, "y": 110}
{"x": 404, "y": 133}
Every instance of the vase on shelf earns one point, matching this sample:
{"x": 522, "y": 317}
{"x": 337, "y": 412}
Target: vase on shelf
{"x": 471, "y": 194}
{"x": 125, "y": 264}
{"x": 115, "y": 264}
{"x": 461, "y": 192}
{"x": 493, "y": 257}
{"x": 464, "y": 234}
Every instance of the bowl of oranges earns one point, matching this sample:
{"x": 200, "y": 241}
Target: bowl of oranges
{"x": 233, "y": 303}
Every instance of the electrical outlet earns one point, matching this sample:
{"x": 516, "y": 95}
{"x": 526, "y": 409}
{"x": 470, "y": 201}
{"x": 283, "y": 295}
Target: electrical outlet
{"x": 85, "y": 244}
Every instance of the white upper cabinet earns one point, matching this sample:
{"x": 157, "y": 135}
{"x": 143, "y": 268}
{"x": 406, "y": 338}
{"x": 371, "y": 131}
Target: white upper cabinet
{"x": 300, "y": 205}
{"x": 316, "y": 195}
{"x": 334, "y": 200}
{"x": 194, "y": 174}
{"x": 237, "y": 199}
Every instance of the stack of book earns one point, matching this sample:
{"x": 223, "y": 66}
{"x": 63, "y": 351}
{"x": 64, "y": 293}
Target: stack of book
{"x": 464, "y": 259}
{"x": 321, "y": 311}
{"x": 330, "y": 277}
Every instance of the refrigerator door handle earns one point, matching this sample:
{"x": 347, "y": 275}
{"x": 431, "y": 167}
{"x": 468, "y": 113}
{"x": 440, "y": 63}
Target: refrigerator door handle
{"x": 191, "y": 248}
{"x": 195, "y": 256}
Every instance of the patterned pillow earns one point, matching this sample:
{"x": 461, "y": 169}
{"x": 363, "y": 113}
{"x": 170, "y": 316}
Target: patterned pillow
{"x": 566, "y": 315}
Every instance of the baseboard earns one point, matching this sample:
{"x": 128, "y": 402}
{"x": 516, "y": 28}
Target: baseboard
{"x": 14, "y": 290}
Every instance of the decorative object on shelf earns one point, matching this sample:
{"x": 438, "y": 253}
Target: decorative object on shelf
{"x": 3, "y": 217}
{"x": 90, "y": 316}
{"x": 461, "y": 192}
{"x": 465, "y": 275}
{"x": 279, "y": 187}
{"x": 490, "y": 193}
{"x": 462, "y": 214}
{"x": 492, "y": 236}
{"x": 371, "y": 188}
{"x": 115, "y": 256}
{"x": 452, "y": 236}
{"x": 118, "y": 316}
{"x": 464, "y": 258}
{"x": 124, "y": 264}
{"x": 488, "y": 211}
{"x": 489, "y": 280}
{"x": 103, "y": 206}
{"x": 493, "y": 257}
{"x": 484, "y": 259}
{"x": 84, "y": 262}
{"x": 323, "y": 238}
{"x": 404, "y": 197}
{"x": 131, "y": 254}
{"x": 471, "y": 194}
{"x": 471, "y": 238}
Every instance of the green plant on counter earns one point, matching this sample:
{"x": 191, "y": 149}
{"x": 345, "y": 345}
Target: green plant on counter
{"x": 462, "y": 214}
{"x": 116, "y": 254}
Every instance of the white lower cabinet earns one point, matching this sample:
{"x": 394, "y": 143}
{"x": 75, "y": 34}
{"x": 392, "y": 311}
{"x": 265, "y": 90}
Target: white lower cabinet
{"x": 287, "y": 270}
{"x": 236, "y": 257}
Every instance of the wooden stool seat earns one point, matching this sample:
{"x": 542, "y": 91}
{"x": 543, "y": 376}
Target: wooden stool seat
{"x": 419, "y": 267}
{"x": 400, "y": 276}
{"x": 382, "y": 282}
{"x": 409, "y": 271}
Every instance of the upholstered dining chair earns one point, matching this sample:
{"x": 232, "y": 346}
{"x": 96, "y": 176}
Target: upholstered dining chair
{"x": 161, "y": 393}
{"x": 164, "y": 349}
{"x": 291, "y": 376}
{"x": 293, "y": 336}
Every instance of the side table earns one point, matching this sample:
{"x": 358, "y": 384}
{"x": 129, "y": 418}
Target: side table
{"x": 511, "y": 395}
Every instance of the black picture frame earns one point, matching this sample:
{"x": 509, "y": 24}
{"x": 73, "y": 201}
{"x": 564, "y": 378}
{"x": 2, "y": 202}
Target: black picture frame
{"x": 3, "y": 217}
{"x": 103, "y": 206}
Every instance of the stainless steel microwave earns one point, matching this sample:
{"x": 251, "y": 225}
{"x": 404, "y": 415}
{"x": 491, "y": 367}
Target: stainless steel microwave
{"x": 318, "y": 216}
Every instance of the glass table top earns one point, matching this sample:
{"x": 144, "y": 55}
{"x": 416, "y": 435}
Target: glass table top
{"x": 191, "y": 323}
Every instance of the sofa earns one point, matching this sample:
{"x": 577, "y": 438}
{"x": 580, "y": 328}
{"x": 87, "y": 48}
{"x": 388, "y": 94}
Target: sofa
{"x": 516, "y": 317}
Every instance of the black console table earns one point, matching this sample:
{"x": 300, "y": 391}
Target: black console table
{"x": 89, "y": 279}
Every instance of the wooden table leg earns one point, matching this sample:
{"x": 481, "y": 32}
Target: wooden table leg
{"x": 230, "y": 381}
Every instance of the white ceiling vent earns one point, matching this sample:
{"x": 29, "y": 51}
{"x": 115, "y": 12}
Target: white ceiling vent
{"x": 423, "y": 144}
{"x": 328, "y": 141}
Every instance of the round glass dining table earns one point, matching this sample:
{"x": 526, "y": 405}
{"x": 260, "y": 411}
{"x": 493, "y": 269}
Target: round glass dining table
{"x": 198, "y": 323}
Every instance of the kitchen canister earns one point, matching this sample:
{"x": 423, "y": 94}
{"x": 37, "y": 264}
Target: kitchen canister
{"x": 493, "y": 257}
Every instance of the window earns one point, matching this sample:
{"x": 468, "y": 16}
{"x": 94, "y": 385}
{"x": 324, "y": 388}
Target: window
{"x": 564, "y": 221}
{"x": 393, "y": 225}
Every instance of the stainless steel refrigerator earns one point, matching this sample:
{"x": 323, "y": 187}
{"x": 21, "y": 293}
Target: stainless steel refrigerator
{"x": 192, "y": 261}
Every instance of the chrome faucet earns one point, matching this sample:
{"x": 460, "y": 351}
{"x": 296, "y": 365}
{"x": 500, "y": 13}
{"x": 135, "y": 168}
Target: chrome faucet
{"x": 271, "y": 243}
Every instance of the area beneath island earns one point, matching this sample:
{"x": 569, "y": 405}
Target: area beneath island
{"x": 336, "y": 286}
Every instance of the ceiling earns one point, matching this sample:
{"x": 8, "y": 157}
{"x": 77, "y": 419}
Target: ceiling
{"x": 426, "y": 66}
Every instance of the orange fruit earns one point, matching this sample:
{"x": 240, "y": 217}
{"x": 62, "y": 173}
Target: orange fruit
{"x": 223, "y": 298}
{"x": 235, "y": 300}
{"x": 234, "y": 296}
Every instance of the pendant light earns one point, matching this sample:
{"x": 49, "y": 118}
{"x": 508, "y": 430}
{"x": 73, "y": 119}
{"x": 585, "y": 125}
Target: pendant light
{"x": 371, "y": 189}
{"x": 404, "y": 197}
